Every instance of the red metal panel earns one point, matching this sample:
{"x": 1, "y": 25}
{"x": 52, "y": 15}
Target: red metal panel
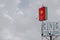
{"x": 42, "y": 14}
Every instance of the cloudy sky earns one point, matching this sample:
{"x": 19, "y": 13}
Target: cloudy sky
{"x": 19, "y": 18}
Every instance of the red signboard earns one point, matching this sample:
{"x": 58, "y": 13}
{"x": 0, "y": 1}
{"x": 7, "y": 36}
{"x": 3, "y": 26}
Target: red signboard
{"x": 42, "y": 13}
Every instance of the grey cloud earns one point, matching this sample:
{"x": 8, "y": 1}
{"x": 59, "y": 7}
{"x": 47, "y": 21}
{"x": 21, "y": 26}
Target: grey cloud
{"x": 26, "y": 26}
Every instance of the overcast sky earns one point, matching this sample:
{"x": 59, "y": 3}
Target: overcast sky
{"x": 19, "y": 18}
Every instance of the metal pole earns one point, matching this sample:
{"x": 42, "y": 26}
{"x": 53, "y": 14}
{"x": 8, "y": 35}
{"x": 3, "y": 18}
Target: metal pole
{"x": 42, "y": 30}
{"x": 50, "y": 36}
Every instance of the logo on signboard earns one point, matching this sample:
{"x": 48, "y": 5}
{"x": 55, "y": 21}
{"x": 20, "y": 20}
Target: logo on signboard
{"x": 51, "y": 27}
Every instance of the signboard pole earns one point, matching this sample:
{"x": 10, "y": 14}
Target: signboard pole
{"x": 42, "y": 30}
{"x": 50, "y": 36}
